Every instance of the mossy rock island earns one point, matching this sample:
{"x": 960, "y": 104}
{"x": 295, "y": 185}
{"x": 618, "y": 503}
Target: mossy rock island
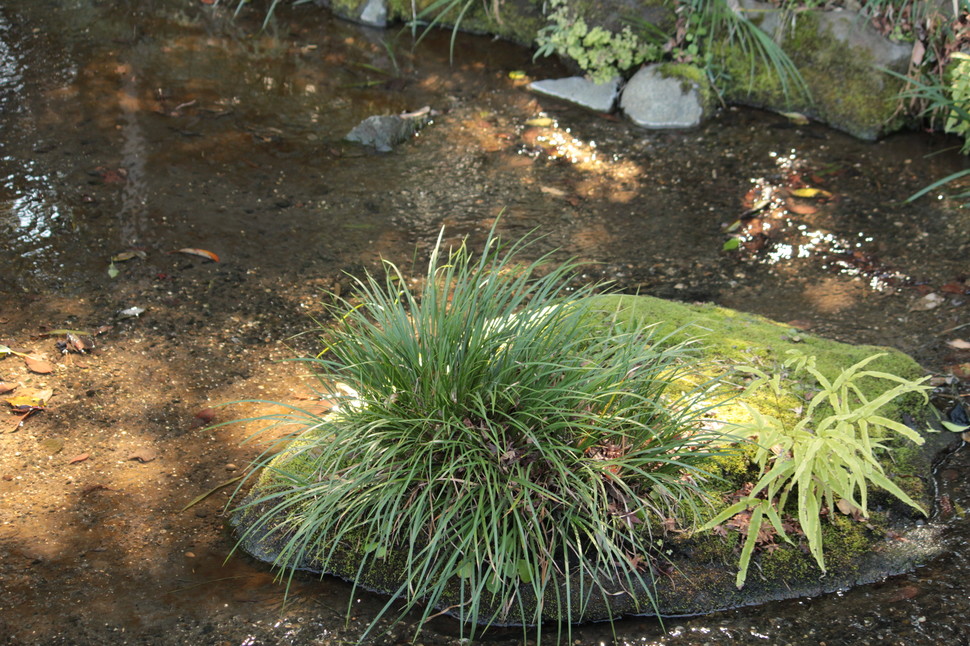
{"x": 694, "y": 569}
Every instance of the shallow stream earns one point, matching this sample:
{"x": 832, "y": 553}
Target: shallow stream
{"x": 161, "y": 125}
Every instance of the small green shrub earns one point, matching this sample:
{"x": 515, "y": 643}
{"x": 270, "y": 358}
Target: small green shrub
{"x": 511, "y": 442}
{"x": 601, "y": 53}
{"x": 828, "y": 457}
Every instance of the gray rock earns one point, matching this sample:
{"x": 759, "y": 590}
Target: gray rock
{"x": 383, "y": 132}
{"x": 599, "y": 97}
{"x": 374, "y": 13}
{"x": 652, "y": 100}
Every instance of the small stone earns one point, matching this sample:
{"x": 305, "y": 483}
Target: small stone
{"x": 599, "y": 97}
{"x": 190, "y": 555}
{"x": 652, "y": 100}
{"x": 231, "y": 467}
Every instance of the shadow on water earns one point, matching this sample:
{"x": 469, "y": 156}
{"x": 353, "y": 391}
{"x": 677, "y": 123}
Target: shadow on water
{"x": 158, "y": 126}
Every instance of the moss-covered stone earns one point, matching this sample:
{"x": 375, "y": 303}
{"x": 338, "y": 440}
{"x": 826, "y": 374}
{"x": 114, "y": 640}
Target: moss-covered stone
{"x": 839, "y": 56}
{"x": 703, "y": 577}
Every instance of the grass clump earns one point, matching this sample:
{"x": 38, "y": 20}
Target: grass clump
{"x": 517, "y": 449}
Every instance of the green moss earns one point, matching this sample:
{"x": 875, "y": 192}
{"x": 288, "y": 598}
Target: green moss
{"x": 690, "y": 76}
{"x": 847, "y": 91}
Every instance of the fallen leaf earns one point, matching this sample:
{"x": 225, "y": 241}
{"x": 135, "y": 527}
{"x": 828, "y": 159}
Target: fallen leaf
{"x": 797, "y": 118}
{"x": 800, "y": 209}
{"x": 31, "y": 399}
{"x": 956, "y": 288}
{"x": 959, "y": 370}
{"x": 903, "y": 593}
{"x": 731, "y": 244}
{"x": 959, "y": 344}
{"x": 6, "y": 388}
{"x": 52, "y": 445}
{"x": 199, "y": 252}
{"x": 78, "y": 458}
{"x": 128, "y": 255}
{"x": 143, "y": 455}
{"x": 206, "y": 415}
{"x": 928, "y": 302}
{"x": 810, "y": 192}
{"x": 63, "y": 331}
{"x": 848, "y": 509}
{"x": 113, "y": 271}
{"x": 39, "y": 366}
{"x": 540, "y": 122}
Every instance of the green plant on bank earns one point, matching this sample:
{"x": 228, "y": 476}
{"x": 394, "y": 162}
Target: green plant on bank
{"x": 512, "y": 445}
{"x": 951, "y": 100}
{"x": 604, "y": 54}
{"x": 828, "y": 458}
{"x": 601, "y": 53}
{"x": 714, "y": 22}
{"x": 433, "y": 14}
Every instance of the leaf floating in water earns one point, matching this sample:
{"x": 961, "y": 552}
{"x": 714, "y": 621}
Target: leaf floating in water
{"x": 540, "y": 122}
{"x": 810, "y": 192}
{"x": 128, "y": 255}
{"x": 52, "y": 445}
{"x": 143, "y": 455}
{"x": 731, "y": 244}
{"x": 198, "y": 252}
{"x": 797, "y": 118}
{"x": 113, "y": 271}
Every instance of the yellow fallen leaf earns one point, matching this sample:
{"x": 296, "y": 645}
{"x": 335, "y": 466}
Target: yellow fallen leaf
{"x": 34, "y": 399}
{"x": 797, "y": 118}
{"x": 810, "y": 192}
{"x": 540, "y": 122}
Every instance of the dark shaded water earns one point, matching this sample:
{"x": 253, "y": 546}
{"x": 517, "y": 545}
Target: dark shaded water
{"x": 167, "y": 125}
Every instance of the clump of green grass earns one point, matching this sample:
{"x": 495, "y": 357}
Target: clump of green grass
{"x": 517, "y": 448}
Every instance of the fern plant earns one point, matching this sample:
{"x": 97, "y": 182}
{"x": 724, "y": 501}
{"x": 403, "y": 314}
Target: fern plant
{"x": 825, "y": 458}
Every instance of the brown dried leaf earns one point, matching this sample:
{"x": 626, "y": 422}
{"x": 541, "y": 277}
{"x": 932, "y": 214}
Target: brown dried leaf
{"x": 6, "y": 388}
{"x": 78, "y": 458}
{"x": 206, "y": 415}
{"x": 143, "y": 455}
{"x": 959, "y": 344}
{"x": 37, "y": 365}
